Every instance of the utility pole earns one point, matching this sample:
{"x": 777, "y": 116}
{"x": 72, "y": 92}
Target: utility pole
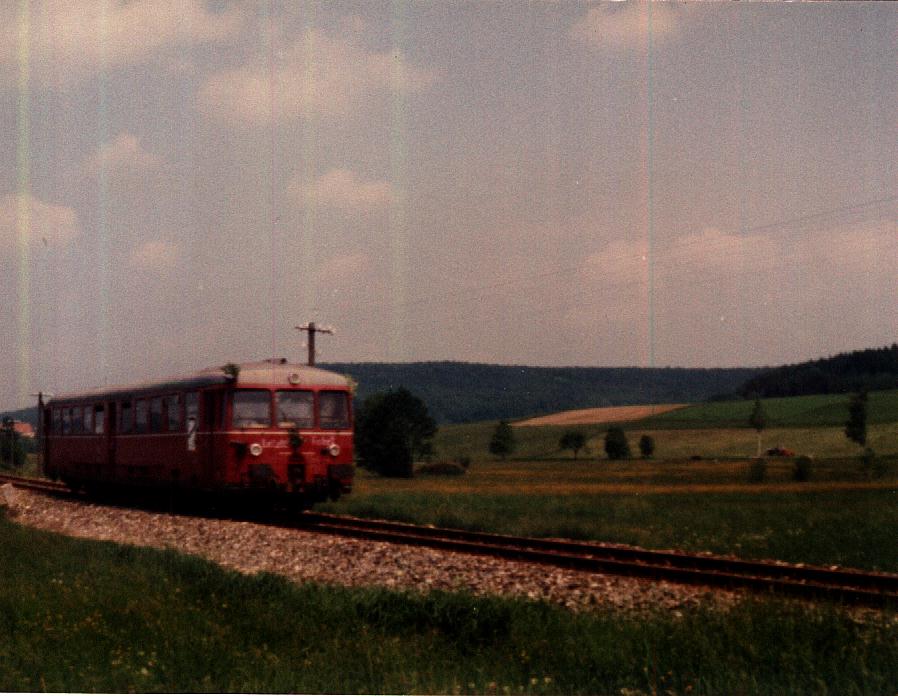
{"x": 312, "y": 330}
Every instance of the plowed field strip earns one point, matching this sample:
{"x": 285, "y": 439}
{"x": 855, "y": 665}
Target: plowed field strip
{"x": 608, "y": 414}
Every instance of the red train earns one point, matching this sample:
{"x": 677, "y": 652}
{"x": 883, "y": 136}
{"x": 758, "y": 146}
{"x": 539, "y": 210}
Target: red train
{"x": 270, "y": 429}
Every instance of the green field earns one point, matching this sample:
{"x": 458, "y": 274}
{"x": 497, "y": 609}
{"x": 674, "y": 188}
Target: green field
{"x": 81, "y": 616}
{"x": 695, "y": 493}
{"x": 792, "y": 412}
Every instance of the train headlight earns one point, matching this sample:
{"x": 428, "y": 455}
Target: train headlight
{"x": 334, "y": 450}
{"x": 255, "y": 449}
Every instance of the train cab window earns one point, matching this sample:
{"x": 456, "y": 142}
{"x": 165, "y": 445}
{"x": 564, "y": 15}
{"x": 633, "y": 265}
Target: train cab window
{"x": 156, "y": 414}
{"x": 251, "y": 408}
{"x": 333, "y": 409}
{"x": 141, "y": 415}
{"x": 173, "y": 411}
{"x": 295, "y": 409}
{"x": 99, "y": 419}
{"x": 127, "y": 418}
{"x": 66, "y": 421}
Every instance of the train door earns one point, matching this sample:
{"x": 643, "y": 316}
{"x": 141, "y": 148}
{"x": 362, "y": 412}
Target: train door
{"x": 46, "y": 430}
{"x": 213, "y": 410}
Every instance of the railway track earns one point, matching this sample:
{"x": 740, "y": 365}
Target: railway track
{"x": 33, "y": 484}
{"x": 810, "y": 582}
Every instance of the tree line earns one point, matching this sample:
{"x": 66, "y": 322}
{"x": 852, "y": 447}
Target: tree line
{"x": 871, "y": 369}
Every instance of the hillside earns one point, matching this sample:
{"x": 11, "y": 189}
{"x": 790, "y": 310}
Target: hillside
{"x": 458, "y": 392}
{"x": 874, "y": 368}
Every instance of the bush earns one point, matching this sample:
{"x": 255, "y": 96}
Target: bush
{"x": 801, "y": 471}
{"x": 616, "y": 445}
{"x": 647, "y": 446}
{"x": 757, "y": 471}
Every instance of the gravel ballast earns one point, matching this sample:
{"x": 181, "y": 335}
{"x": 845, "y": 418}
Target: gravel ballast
{"x": 302, "y": 556}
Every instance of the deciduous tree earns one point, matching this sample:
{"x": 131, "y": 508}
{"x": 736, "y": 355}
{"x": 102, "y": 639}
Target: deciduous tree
{"x": 573, "y": 440}
{"x": 502, "y": 442}
{"x": 616, "y": 445}
{"x": 758, "y": 421}
{"x": 392, "y": 430}
{"x": 856, "y": 427}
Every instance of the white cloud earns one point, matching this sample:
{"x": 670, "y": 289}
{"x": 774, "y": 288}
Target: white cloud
{"x": 154, "y": 255}
{"x": 23, "y": 216}
{"x": 123, "y": 154}
{"x": 317, "y": 74}
{"x": 726, "y": 298}
{"x": 342, "y": 188}
{"x": 627, "y": 24}
{"x": 71, "y": 39}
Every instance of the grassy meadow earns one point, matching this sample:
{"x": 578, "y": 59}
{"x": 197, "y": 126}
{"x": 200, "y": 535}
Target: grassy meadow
{"x": 83, "y": 616}
{"x": 697, "y": 491}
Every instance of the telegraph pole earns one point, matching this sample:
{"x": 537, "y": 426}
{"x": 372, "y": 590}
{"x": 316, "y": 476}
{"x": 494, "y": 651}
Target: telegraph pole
{"x": 312, "y": 330}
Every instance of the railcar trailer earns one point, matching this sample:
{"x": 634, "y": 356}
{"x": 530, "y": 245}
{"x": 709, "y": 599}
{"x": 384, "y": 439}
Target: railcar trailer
{"x": 268, "y": 430}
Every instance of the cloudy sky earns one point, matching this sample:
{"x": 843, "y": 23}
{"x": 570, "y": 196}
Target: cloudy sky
{"x": 516, "y": 182}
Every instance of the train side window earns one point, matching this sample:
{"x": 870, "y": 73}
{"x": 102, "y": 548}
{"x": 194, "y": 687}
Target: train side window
{"x": 57, "y": 421}
{"x": 77, "y": 420}
{"x": 141, "y": 415}
{"x": 127, "y": 418}
{"x": 99, "y": 419}
{"x": 192, "y": 409}
{"x": 88, "y": 420}
{"x": 156, "y": 414}
{"x": 66, "y": 421}
{"x": 173, "y": 411}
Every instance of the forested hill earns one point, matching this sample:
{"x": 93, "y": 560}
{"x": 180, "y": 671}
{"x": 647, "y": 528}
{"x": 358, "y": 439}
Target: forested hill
{"x": 874, "y": 368}
{"x": 458, "y": 392}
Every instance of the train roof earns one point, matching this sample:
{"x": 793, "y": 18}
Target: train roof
{"x": 271, "y": 373}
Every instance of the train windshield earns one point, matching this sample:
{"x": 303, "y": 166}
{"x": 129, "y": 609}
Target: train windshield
{"x": 252, "y": 408}
{"x": 295, "y": 409}
{"x": 333, "y": 407}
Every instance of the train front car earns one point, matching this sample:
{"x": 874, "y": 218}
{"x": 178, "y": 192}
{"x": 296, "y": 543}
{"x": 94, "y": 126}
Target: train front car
{"x": 289, "y": 433}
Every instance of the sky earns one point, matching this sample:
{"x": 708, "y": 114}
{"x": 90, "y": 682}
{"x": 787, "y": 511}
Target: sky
{"x": 539, "y": 183}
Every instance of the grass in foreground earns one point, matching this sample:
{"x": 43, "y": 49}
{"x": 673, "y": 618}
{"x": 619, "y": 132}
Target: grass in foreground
{"x": 88, "y": 616}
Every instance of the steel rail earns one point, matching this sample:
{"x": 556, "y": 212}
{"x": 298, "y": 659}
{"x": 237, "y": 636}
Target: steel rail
{"x": 848, "y": 586}
{"x": 34, "y": 484}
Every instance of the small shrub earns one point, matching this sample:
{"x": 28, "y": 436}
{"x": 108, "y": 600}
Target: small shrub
{"x": 647, "y": 446}
{"x": 801, "y": 471}
{"x": 441, "y": 468}
{"x": 463, "y": 462}
{"x": 757, "y": 471}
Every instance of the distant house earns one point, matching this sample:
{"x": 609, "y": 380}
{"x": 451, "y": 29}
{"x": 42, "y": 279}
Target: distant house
{"x": 23, "y": 429}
